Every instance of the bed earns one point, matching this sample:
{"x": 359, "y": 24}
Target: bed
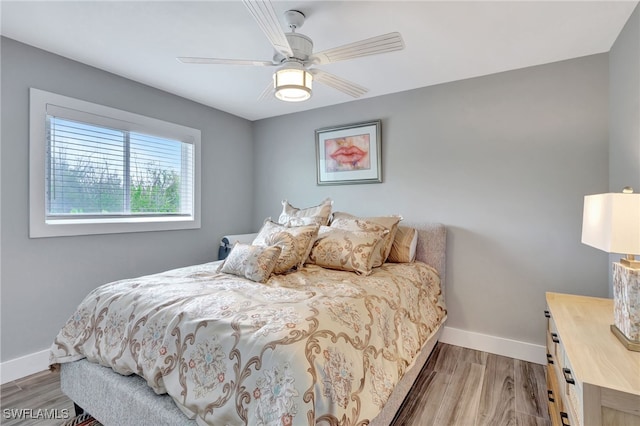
{"x": 327, "y": 364}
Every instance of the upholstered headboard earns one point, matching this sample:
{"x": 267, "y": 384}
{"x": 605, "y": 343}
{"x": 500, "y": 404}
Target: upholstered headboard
{"x": 432, "y": 246}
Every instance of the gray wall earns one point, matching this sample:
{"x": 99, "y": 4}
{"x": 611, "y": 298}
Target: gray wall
{"x": 624, "y": 112}
{"x": 503, "y": 160}
{"x": 43, "y": 280}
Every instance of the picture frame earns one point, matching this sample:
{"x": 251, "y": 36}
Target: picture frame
{"x": 349, "y": 154}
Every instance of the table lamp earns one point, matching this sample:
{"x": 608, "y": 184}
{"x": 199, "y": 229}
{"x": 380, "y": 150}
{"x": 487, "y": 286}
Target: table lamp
{"x": 611, "y": 222}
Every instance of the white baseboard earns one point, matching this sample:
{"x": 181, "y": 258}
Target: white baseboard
{"x": 495, "y": 345}
{"x": 39, "y": 361}
{"x": 18, "y": 368}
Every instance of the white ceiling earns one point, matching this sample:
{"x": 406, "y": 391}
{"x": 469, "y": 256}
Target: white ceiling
{"x": 445, "y": 41}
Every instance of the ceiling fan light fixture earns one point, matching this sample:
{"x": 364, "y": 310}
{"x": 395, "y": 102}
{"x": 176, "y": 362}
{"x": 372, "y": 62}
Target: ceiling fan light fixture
{"x": 292, "y": 83}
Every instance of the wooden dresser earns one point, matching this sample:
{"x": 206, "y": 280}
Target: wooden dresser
{"x": 591, "y": 377}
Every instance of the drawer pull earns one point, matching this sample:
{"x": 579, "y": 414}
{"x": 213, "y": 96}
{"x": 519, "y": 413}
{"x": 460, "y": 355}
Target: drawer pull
{"x": 547, "y": 314}
{"x": 550, "y": 396}
{"x": 550, "y": 358}
{"x": 564, "y": 418}
{"x": 554, "y": 338}
{"x": 567, "y": 376}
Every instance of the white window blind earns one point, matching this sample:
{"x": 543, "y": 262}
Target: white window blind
{"x": 98, "y": 171}
{"x": 95, "y": 169}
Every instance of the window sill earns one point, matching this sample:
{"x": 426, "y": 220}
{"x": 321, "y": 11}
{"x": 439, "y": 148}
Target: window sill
{"x": 66, "y": 227}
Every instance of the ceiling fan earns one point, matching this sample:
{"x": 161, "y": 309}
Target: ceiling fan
{"x": 294, "y": 55}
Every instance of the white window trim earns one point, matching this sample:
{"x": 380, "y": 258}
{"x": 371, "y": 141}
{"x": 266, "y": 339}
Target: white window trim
{"x": 40, "y": 227}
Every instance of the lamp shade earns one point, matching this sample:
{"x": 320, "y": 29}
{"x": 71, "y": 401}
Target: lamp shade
{"x": 292, "y": 83}
{"x": 611, "y": 222}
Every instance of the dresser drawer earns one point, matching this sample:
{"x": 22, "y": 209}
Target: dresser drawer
{"x": 565, "y": 401}
{"x": 553, "y": 339}
{"x": 572, "y": 393}
{"x": 554, "y": 345}
{"x": 553, "y": 396}
{"x": 554, "y": 391}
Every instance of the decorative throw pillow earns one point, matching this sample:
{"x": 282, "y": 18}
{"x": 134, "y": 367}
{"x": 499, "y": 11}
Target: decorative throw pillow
{"x": 302, "y": 221}
{"x": 346, "y": 250}
{"x": 303, "y": 235}
{"x": 289, "y": 255}
{"x": 317, "y": 215}
{"x": 252, "y": 262}
{"x": 403, "y": 249}
{"x": 372, "y": 224}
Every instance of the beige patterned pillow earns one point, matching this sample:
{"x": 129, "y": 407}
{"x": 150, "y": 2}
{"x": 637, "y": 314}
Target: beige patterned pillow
{"x": 289, "y": 256}
{"x": 304, "y": 237}
{"x": 317, "y": 215}
{"x": 403, "y": 249}
{"x": 372, "y": 224}
{"x": 346, "y": 250}
{"x": 252, "y": 262}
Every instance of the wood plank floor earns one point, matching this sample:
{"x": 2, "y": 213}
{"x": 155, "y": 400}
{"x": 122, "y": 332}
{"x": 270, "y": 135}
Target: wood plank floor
{"x": 40, "y": 391}
{"x": 457, "y": 386}
{"x": 460, "y": 386}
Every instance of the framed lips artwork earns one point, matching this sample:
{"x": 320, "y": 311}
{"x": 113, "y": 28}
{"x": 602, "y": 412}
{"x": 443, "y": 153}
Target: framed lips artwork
{"x": 349, "y": 154}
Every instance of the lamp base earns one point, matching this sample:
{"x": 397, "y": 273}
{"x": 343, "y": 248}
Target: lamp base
{"x": 626, "y": 303}
{"x": 632, "y": 345}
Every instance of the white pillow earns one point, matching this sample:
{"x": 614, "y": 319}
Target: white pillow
{"x": 293, "y": 216}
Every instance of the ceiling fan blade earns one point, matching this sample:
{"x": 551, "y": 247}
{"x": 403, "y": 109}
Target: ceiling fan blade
{"x": 338, "y": 83}
{"x": 267, "y": 93}
{"x": 217, "y": 61}
{"x": 264, "y": 14}
{"x": 370, "y": 46}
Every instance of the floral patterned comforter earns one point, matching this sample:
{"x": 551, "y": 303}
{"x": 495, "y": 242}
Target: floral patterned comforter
{"x": 313, "y": 346}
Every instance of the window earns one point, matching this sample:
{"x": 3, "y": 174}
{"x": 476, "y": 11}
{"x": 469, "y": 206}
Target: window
{"x": 95, "y": 169}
